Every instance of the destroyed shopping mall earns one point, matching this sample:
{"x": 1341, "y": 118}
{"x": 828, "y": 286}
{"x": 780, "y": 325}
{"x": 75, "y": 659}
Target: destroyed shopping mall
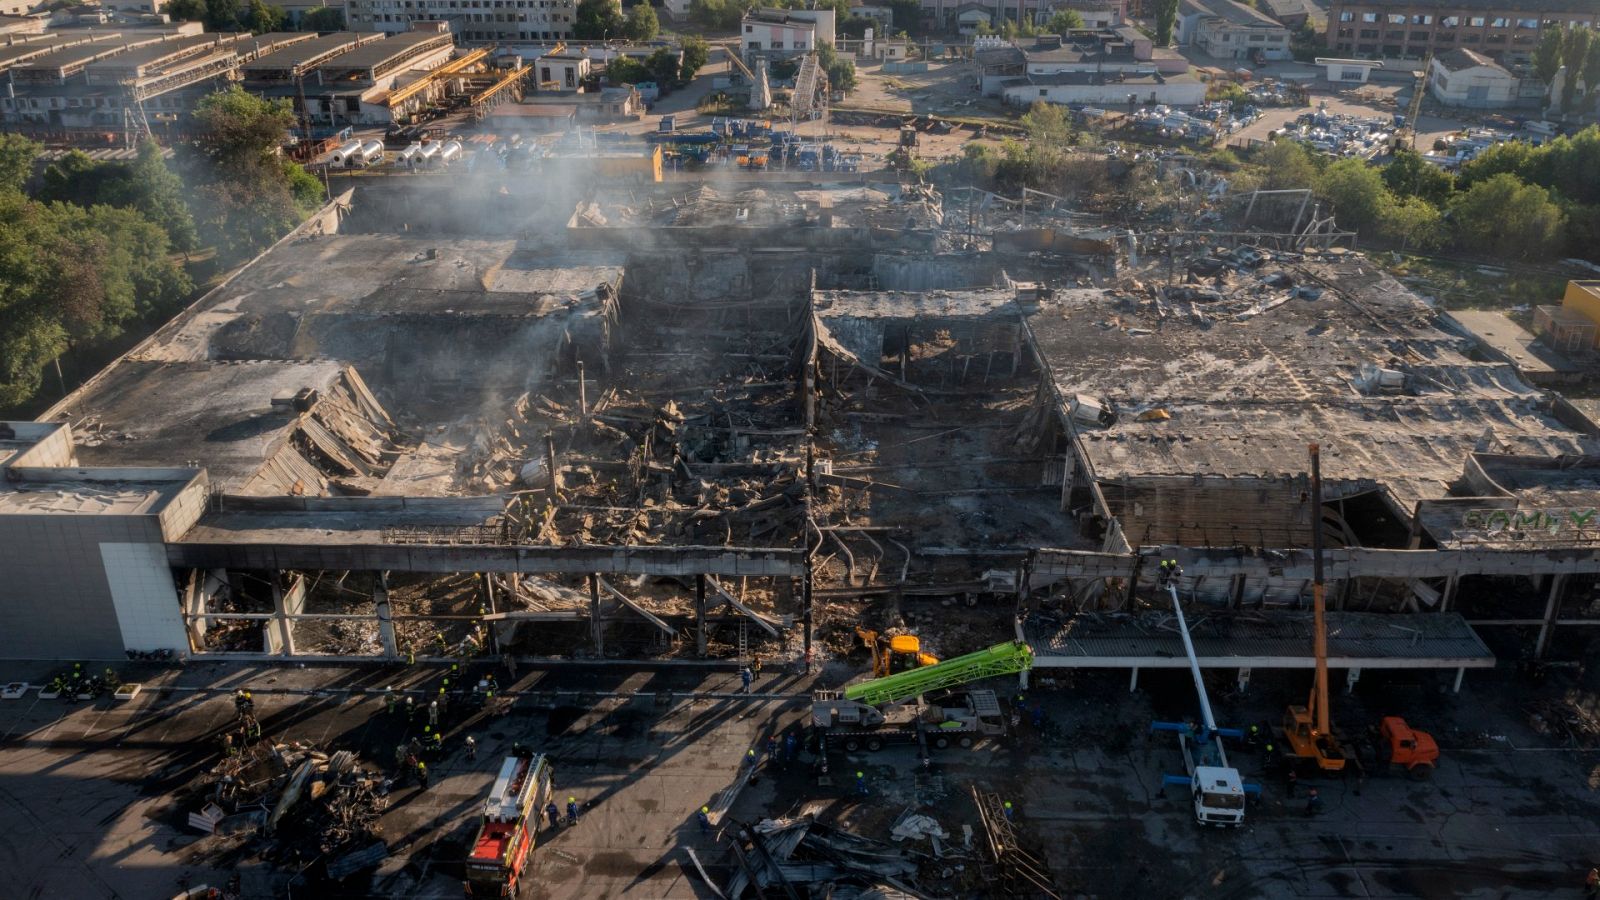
{"x": 683, "y": 421}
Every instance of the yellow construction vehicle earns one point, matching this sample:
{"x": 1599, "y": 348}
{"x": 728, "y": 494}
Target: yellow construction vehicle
{"x": 1307, "y": 733}
{"x": 893, "y": 654}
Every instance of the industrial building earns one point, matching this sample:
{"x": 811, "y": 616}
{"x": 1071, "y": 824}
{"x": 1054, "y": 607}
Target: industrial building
{"x": 1225, "y": 29}
{"x": 81, "y": 85}
{"x": 478, "y": 21}
{"x": 1504, "y": 31}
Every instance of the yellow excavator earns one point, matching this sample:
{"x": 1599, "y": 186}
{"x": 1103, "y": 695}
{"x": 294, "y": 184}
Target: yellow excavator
{"x": 1307, "y": 733}
{"x": 893, "y": 654}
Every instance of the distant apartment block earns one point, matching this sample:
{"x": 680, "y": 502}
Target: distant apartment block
{"x": 1504, "y": 30}
{"x": 470, "y": 20}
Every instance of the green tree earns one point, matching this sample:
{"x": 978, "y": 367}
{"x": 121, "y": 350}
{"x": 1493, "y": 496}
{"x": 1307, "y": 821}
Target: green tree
{"x": 263, "y": 18}
{"x": 696, "y": 53}
{"x": 1356, "y": 191}
{"x": 841, "y": 71}
{"x": 1285, "y": 165}
{"x": 159, "y": 197}
{"x": 626, "y": 70}
{"x": 187, "y": 10}
{"x": 598, "y": 20}
{"x": 1063, "y": 21}
{"x": 978, "y": 163}
{"x": 222, "y": 15}
{"x": 145, "y": 185}
{"x": 1591, "y": 65}
{"x": 717, "y": 15}
{"x": 17, "y": 156}
{"x": 1409, "y": 175}
{"x": 663, "y": 66}
{"x": 1413, "y": 222}
{"x": 1547, "y": 56}
{"x": 1574, "y": 52}
{"x": 71, "y": 275}
{"x": 641, "y": 24}
{"x": 324, "y": 18}
{"x": 1502, "y": 216}
{"x": 906, "y": 15}
{"x": 1166, "y": 18}
{"x": 246, "y": 193}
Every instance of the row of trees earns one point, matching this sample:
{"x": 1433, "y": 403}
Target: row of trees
{"x": 664, "y": 66}
{"x": 1060, "y": 22}
{"x": 89, "y": 250}
{"x": 258, "y": 17}
{"x": 1578, "y": 49}
{"x": 1513, "y": 201}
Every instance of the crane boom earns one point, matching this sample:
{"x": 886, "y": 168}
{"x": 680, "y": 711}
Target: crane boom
{"x": 1319, "y": 689}
{"x": 1194, "y": 662}
{"x": 1008, "y": 658}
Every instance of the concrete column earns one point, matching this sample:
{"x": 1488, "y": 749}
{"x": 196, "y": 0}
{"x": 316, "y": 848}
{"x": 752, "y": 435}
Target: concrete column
{"x": 700, "y": 614}
{"x": 194, "y": 604}
{"x": 285, "y": 604}
{"x": 1460, "y": 674}
{"x": 1236, "y": 591}
{"x": 1552, "y": 609}
{"x": 1449, "y": 595}
{"x": 596, "y": 626}
{"x": 380, "y": 596}
{"x": 1133, "y": 680}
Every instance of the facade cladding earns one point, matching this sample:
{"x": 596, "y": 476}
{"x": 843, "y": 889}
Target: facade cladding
{"x": 1506, "y": 30}
{"x": 470, "y": 20}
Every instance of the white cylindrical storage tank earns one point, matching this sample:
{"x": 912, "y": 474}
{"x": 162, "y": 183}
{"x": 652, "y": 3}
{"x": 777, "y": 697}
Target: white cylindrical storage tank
{"x": 426, "y": 154}
{"x": 449, "y": 153}
{"x": 408, "y": 156}
{"x": 344, "y": 153}
{"x": 371, "y": 153}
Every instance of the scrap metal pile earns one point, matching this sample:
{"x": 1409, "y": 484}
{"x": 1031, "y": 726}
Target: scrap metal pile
{"x": 803, "y": 857}
{"x": 296, "y": 805}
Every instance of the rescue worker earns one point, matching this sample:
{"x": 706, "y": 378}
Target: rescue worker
{"x": 1008, "y": 810}
{"x": 572, "y": 810}
{"x": 772, "y": 746}
{"x": 751, "y": 758}
{"x": 411, "y": 654}
{"x": 411, "y": 709}
{"x": 472, "y": 748}
{"x": 1253, "y": 738}
{"x": 1313, "y": 803}
{"x": 228, "y": 749}
{"x": 252, "y": 730}
{"x": 554, "y": 814}
{"x": 390, "y": 704}
{"x": 745, "y": 678}
{"x": 437, "y": 745}
{"x": 433, "y": 713}
{"x": 790, "y": 742}
{"x": 444, "y": 703}
{"x": 422, "y": 774}
{"x": 861, "y": 784}
{"x": 1289, "y": 781}
{"x": 704, "y": 818}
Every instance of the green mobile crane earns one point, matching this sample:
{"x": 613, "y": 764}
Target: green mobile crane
{"x": 898, "y": 709}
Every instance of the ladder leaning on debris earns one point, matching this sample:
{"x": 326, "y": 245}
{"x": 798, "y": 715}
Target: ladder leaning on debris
{"x": 1019, "y": 873}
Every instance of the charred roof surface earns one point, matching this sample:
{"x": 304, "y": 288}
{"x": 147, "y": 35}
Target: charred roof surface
{"x": 1236, "y": 381}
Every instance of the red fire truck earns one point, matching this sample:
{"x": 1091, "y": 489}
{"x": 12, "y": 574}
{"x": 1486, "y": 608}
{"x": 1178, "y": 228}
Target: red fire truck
{"x": 510, "y": 826}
